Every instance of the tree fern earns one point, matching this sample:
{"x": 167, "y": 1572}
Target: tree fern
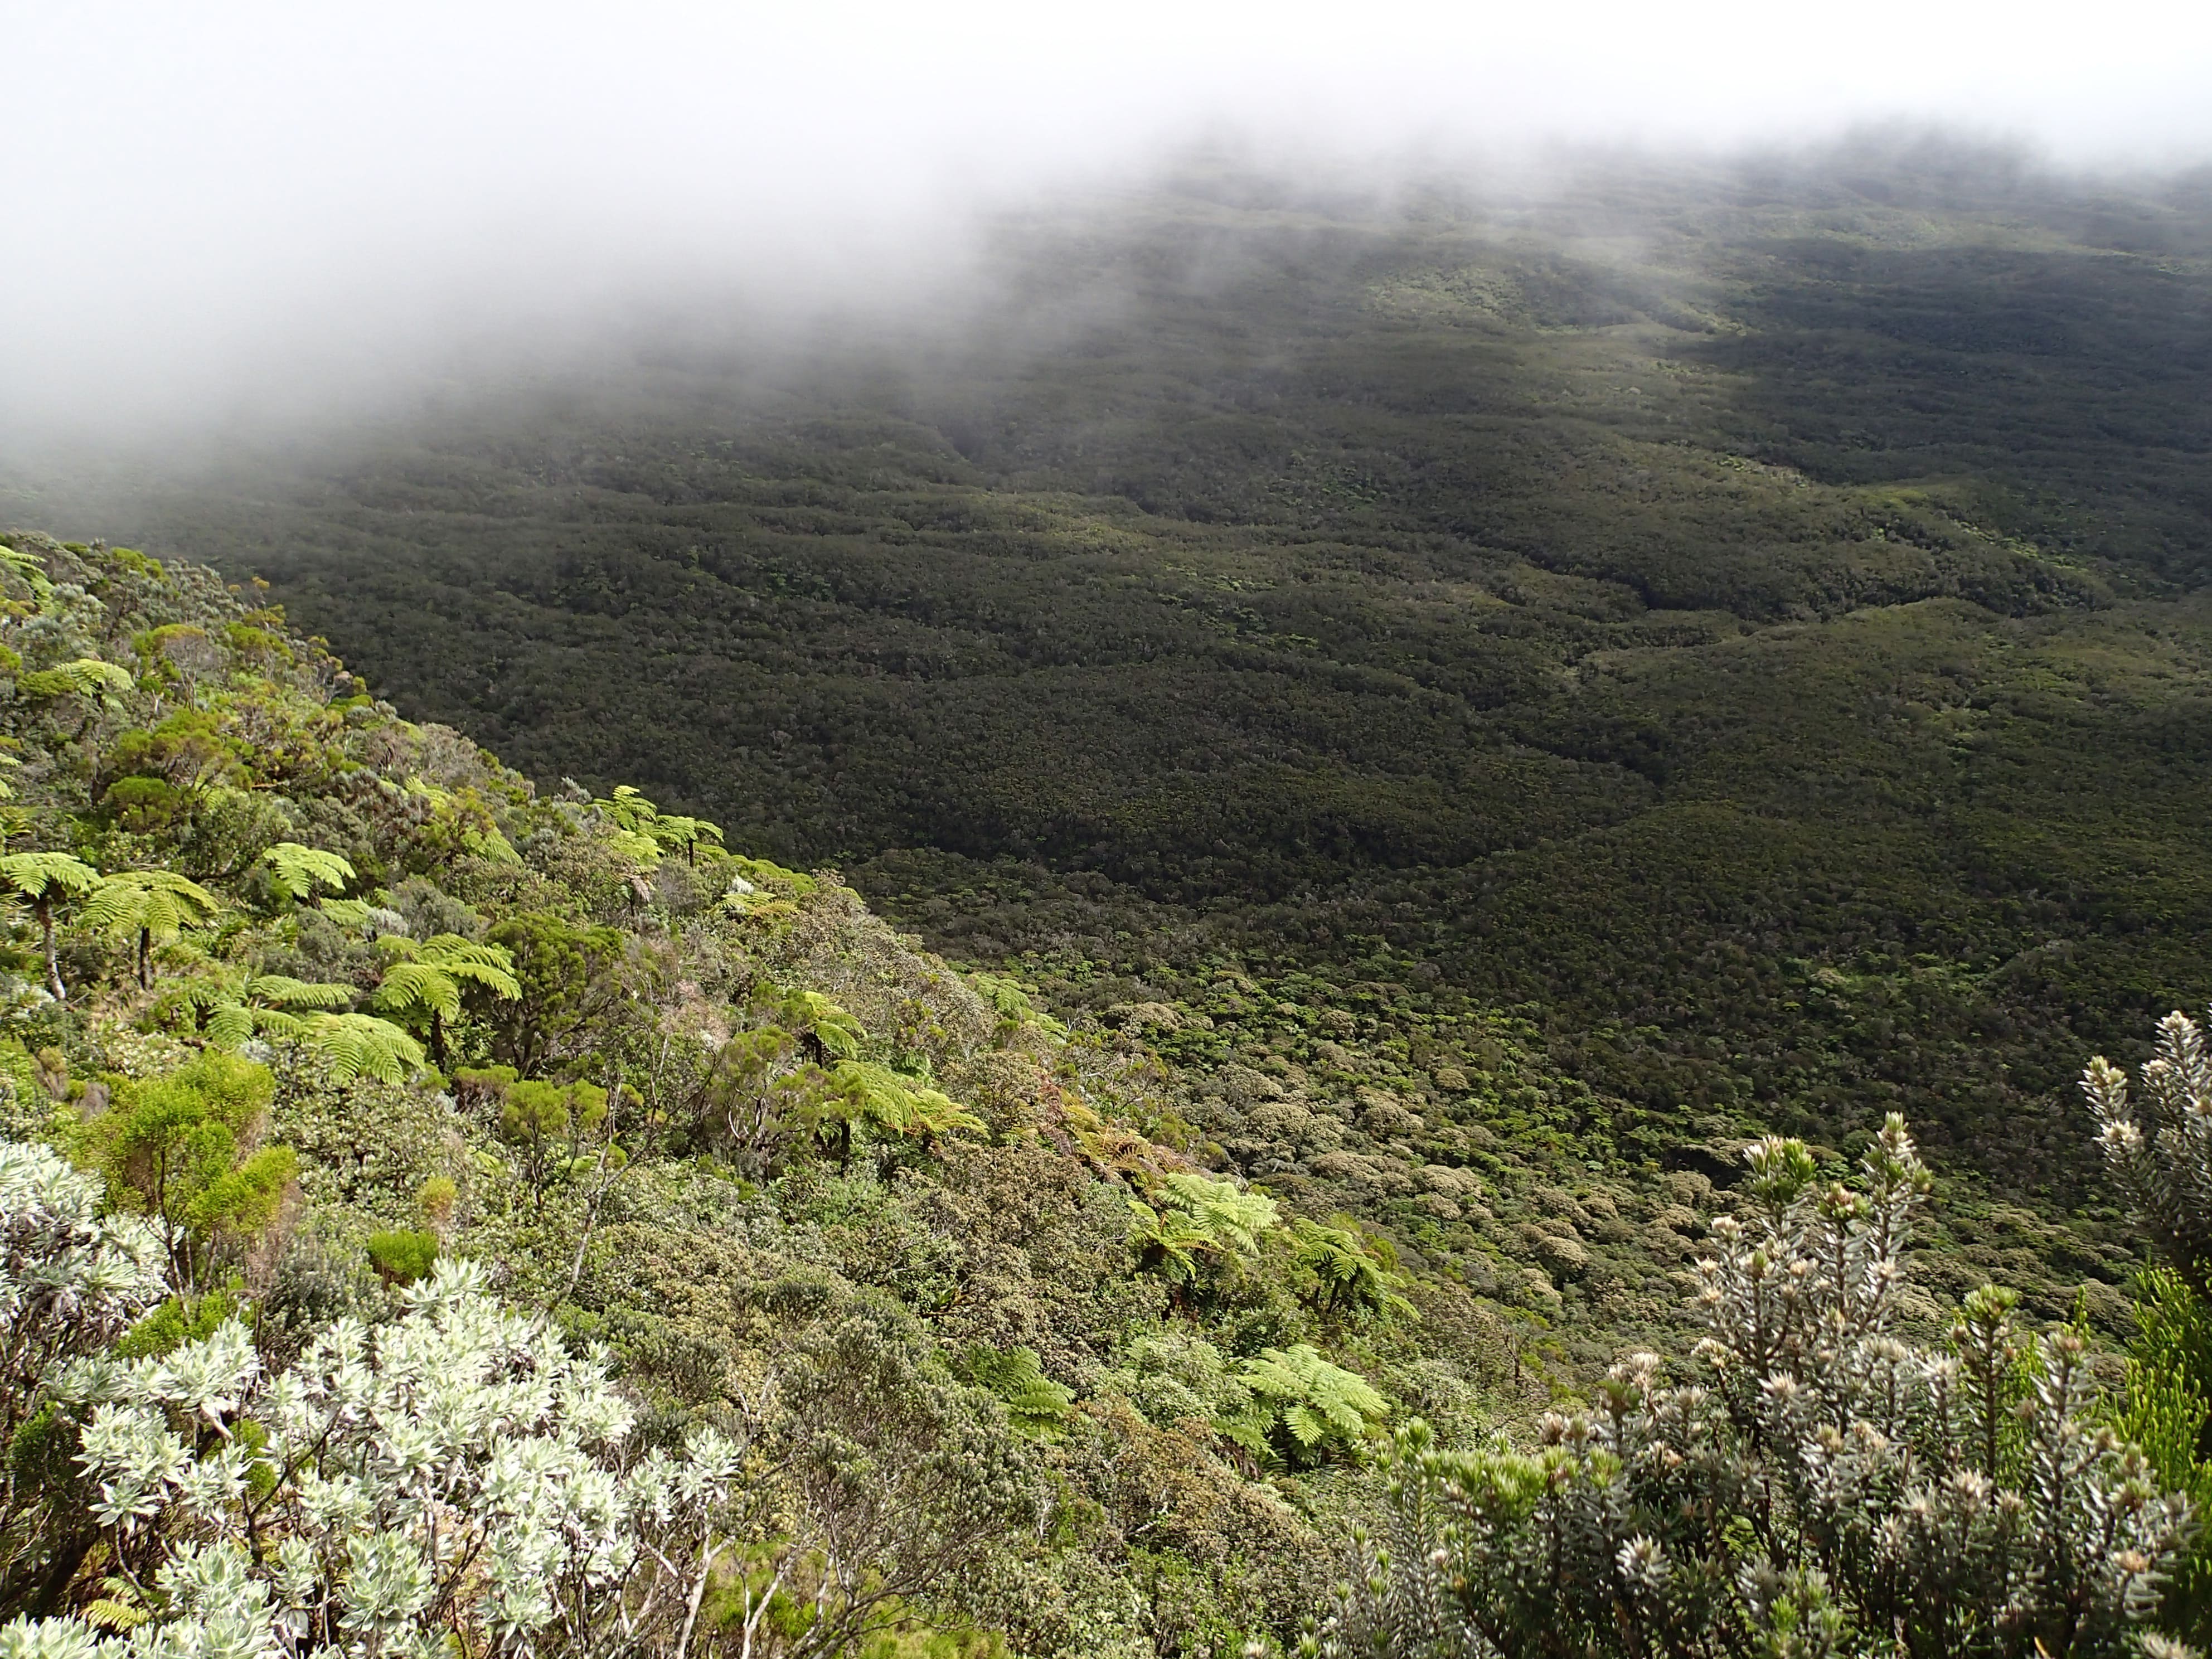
{"x": 376, "y": 918}
{"x": 1349, "y": 1275}
{"x": 43, "y": 878}
{"x": 1010, "y": 1001}
{"x": 1169, "y": 1242}
{"x": 1237, "y": 1217}
{"x": 1302, "y": 1406}
{"x": 892, "y": 1103}
{"x": 230, "y": 1012}
{"x": 1037, "y": 1408}
{"x": 425, "y": 979}
{"x": 830, "y": 1031}
{"x": 30, "y": 569}
{"x": 159, "y": 906}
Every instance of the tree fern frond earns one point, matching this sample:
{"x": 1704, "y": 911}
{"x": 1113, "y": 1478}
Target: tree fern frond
{"x": 84, "y": 678}
{"x": 300, "y": 870}
{"x": 288, "y": 993}
{"x": 410, "y": 986}
{"x": 30, "y": 568}
{"x": 361, "y": 1045}
{"x": 230, "y": 1025}
{"x": 33, "y": 874}
{"x": 158, "y": 902}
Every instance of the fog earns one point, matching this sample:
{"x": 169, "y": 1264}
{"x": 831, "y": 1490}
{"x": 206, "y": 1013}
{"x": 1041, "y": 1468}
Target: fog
{"x": 229, "y": 218}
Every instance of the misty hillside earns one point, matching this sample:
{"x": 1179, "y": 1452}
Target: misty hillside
{"x": 1744, "y": 629}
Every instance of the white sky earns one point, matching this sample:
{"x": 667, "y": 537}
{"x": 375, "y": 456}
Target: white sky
{"x": 202, "y": 198}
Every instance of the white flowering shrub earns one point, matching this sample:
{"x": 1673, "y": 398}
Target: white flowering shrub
{"x": 71, "y": 1281}
{"x": 455, "y": 1472}
{"x": 1816, "y": 1485}
{"x": 2158, "y": 1146}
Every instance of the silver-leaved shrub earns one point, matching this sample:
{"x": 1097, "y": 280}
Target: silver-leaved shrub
{"x": 1810, "y": 1483}
{"x": 455, "y": 1471}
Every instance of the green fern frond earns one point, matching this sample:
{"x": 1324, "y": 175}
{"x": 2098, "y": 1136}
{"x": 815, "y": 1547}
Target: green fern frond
{"x": 288, "y": 992}
{"x": 159, "y": 902}
{"x": 300, "y": 870}
{"x": 86, "y": 676}
{"x": 28, "y": 567}
{"x": 418, "y": 987}
{"x": 361, "y": 1045}
{"x": 33, "y": 874}
{"x": 1238, "y": 1219}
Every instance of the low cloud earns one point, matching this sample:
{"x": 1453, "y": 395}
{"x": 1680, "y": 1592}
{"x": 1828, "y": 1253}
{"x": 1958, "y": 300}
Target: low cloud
{"x": 230, "y": 216}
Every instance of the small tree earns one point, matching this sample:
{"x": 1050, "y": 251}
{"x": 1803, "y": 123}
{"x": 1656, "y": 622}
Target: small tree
{"x": 71, "y": 1281}
{"x": 182, "y": 1149}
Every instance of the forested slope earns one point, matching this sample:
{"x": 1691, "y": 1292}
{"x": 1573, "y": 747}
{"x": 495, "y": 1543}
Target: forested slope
{"x": 437, "y": 1214}
{"x": 1746, "y": 625}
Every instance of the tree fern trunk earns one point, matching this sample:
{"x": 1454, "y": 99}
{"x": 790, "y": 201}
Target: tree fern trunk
{"x": 53, "y": 957}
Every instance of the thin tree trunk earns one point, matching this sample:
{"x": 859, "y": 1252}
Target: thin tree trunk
{"x": 145, "y": 958}
{"x": 437, "y": 1039}
{"x": 53, "y": 957}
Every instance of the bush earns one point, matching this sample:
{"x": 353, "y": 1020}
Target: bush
{"x": 401, "y": 1257}
{"x": 1817, "y": 1485}
{"x": 456, "y": 1472}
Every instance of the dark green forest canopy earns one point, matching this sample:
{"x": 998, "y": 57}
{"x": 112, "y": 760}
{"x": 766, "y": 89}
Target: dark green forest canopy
{"x": 1753, "y": 623}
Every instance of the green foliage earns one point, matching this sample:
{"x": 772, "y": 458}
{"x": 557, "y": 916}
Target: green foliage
{"x": 2167, "y": 1412}
{"x": 570, "y": 981}
{"x": 804, "y": 1233}
{"x": 353, "y": 1046}
{"x": 43, "y": 879}
{"x": 1303, "y": 1407}
{"x": 177, "y": 1321}
{"x": 832, "y": 1033}
{"x": 1198, "y": 1218}
{"x": 301, "y": 870}
{"x": 400, "y": 1256}
{"x": 158, "y": 907}
{"x": 26, "y": 565}
{"x": 887, "y": 1104}
{"x": 35, "y": 875}
{"x": 1037, "y": 1407}
{"x": 424, "y": 980}
{"x": 1352, "y": 1275}
{"x": 86, "y": 676}
{"x": 1773, "y": 658}
{"x": 185, "y": 1149}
